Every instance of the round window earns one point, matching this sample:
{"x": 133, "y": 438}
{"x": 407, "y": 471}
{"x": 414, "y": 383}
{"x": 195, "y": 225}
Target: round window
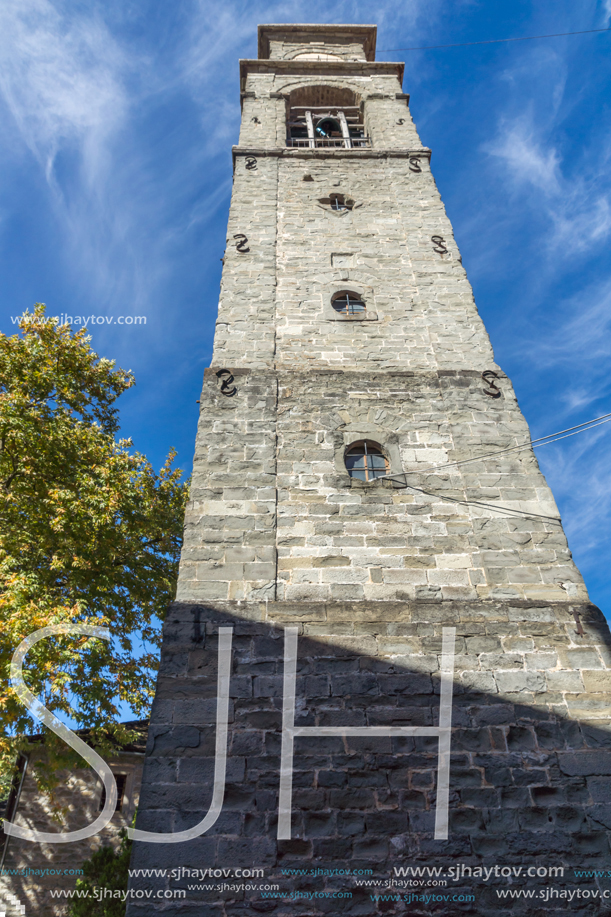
{"x": 365, "y": 461}
{"x": 348, "y": 303}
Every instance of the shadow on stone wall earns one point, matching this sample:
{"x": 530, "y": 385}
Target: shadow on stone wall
{"x": 530, "y": 766}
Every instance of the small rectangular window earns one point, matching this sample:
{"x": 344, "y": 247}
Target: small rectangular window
{"x": 121, "y": 781}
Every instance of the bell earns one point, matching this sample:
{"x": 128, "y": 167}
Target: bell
{"x": 326, "y": 127}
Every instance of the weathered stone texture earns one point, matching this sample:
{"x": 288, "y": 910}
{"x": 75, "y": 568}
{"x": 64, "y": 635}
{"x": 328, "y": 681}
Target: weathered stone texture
{"x": 311, "y": 381}
{"x": 425, "y": 317}
{"x": 527, "y": 785}
{"x": 230, "y": 525}
{"x": 274, "y": 514}
{"x": 277, "y": 534}
{"x": 32, "y": 870}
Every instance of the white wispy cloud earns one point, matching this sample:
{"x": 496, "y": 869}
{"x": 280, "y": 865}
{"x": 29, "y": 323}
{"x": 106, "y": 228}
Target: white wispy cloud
{"x": 523, "y": 154}
{"x": 574, "y": 205}
{"x": 580, "y": 478}
{"x": 580, "y": 329}
{"x": 61, "y": 81}
{"x": 76, "y": 86}
{"x": 565, "y": 359}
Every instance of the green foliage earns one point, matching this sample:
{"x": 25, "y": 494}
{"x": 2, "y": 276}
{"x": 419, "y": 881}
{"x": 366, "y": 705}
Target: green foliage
{"x": 6, "y": 783}
{"x": 106, "y": 869}
{"x": 89, "y": 533}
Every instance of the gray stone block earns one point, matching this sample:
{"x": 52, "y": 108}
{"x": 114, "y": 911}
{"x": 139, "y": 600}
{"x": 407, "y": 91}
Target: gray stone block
{"x": 519, "y": 682}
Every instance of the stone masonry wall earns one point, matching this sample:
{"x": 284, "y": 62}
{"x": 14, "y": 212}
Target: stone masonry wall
{"x": 340, "y": 538}
{"x": 287, "y": 50}
{"x": 229, "y": 549}
{"x": 309, "y": 382}
{"x": 274, "y": 514}
{"x": 530, "y": 762}
{"x": 423, "y": 313}
{"x": 33, "y": 870}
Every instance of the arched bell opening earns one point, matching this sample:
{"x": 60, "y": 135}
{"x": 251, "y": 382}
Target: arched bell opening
{"x": 325, "y": 116}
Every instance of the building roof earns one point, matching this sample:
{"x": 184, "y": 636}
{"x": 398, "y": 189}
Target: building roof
{"x": 138, "y": 745}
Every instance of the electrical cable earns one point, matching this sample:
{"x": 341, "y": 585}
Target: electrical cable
{"x": 535, "y": 443}
{"x": 492, "y": 41}
{"x": 554, "y": 438}
{"x": 540, "y": 441}
{"x": 497, "y": 507}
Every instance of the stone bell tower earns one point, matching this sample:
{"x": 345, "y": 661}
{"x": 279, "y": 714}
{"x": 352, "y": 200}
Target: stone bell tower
{"x": 381, "y": 654}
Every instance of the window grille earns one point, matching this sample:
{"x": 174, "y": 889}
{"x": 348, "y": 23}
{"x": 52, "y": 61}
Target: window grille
{"x": 348, "y": 303}
{"x": 365, "y": 461}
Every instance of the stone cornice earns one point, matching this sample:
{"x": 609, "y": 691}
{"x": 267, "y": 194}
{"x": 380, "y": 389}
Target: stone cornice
{"x": 360, "y": 33}
{"x": 465, "y": 614}
{"x": 325, "y": 153}
{"x": 405, "y": 375}
{"x": 307, "y": 68}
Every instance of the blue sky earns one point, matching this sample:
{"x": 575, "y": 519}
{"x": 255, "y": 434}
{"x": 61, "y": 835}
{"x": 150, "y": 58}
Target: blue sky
{"x": 115, "y": 176}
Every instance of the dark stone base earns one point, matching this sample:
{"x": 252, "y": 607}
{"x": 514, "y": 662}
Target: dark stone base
{"x": 530, "y": 779}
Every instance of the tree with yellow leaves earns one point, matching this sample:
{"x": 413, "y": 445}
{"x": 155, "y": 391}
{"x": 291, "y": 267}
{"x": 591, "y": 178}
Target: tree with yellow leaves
{"x": 89, "y": 533}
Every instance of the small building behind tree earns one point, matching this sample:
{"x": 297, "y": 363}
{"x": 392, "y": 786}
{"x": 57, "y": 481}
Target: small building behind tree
{"x": 31, "y": 871}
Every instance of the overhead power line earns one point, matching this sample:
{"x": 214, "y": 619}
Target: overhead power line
{"x": 493, "y": 41}
{"x": 527, "y": 444}
{"x": 497, "y": 507}
{"x": 535, "y": 443}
